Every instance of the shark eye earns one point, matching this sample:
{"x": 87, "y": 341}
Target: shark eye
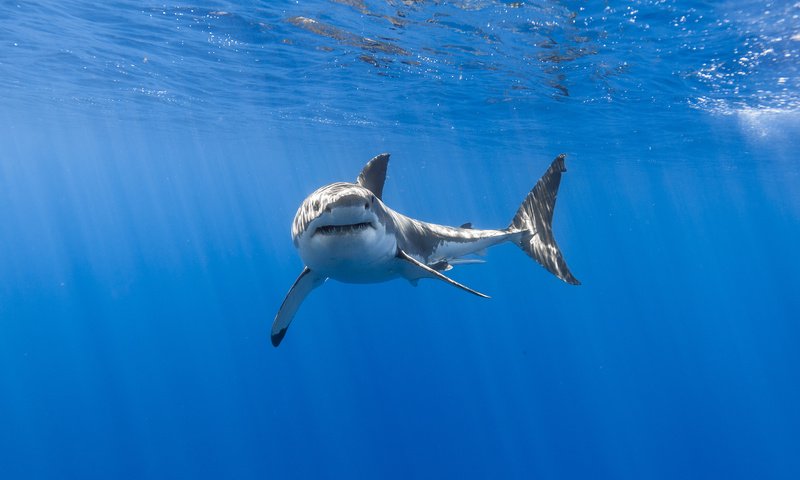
{"x": 366, "y": 205}
{"x": 328, "y": 209}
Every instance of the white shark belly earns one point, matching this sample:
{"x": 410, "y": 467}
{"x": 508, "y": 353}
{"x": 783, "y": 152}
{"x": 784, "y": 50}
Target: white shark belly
{"x": 366, "y": 257}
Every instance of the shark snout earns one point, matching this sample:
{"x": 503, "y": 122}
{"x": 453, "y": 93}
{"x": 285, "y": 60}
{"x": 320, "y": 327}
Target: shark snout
{"x": 345, "y": 216}
{"x": 350, "y": 201}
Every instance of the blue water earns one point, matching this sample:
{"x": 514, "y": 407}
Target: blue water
{"x": 153, "y": 156}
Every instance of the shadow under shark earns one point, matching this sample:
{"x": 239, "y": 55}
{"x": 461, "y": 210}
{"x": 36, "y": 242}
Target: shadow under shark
{"x": 344, "y": 231}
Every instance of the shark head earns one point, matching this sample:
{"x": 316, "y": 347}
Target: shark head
{"x": 341, "y": 230}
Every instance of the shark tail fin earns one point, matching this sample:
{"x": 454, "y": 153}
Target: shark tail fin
{"x": 534, "y": 220}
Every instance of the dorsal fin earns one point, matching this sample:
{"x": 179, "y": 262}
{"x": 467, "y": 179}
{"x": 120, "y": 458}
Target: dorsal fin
{"x": 374, "y": 174}
{"x": 467, "y": 225}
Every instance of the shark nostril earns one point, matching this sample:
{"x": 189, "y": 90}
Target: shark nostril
{"x": 328, "y": 209}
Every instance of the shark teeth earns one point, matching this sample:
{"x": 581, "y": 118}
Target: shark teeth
{"x": 343, "y": 229}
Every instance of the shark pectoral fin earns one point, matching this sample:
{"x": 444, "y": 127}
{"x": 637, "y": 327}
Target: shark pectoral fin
{"x": 306, "y": 282}
{"x": 426, "y": 271}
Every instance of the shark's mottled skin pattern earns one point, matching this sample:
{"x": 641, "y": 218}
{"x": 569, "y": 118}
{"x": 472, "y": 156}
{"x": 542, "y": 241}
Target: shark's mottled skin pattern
{"x": 427, "y": 242}
{"x": 431, "y": 243}
{"x": 344, "y": 231}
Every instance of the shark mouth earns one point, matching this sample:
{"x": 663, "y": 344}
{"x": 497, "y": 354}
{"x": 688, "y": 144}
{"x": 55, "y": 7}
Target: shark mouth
{"x": 343, "y": 229}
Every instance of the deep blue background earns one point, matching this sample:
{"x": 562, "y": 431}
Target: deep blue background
{"x": 153, "y": 158}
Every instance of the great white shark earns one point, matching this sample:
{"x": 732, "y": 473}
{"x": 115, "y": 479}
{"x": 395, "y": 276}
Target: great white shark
{"x": 344, "y": 231}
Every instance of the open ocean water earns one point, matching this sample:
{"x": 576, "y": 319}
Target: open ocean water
{"x": 152, "y": 157}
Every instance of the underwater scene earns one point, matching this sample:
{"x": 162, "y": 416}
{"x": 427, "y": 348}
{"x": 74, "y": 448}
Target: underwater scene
{"x": 252, "y": 240}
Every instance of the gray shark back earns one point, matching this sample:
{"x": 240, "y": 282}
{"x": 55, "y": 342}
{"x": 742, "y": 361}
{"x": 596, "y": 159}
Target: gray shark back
{"x": 433, "y": 243}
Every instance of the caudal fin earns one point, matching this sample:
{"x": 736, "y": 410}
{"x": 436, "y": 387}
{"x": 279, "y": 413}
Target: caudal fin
{"x": 535, "y": 217}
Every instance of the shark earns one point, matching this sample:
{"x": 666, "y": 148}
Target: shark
{"x": 344, "y": 231}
